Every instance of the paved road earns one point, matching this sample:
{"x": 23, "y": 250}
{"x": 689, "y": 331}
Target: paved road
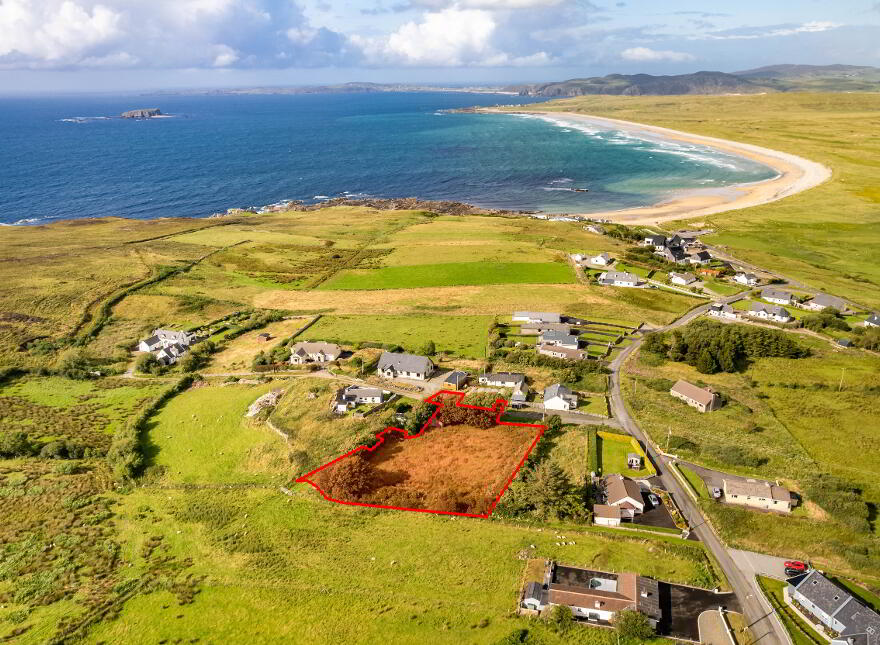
{"x": 763, "y": 623}
{"x": 759, "y": 563}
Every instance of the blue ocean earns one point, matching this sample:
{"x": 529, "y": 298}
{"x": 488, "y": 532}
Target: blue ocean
{"x": 69, "y": 157}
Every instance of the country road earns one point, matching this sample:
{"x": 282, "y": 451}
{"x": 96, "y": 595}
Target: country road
{"x": 765, "y": 627}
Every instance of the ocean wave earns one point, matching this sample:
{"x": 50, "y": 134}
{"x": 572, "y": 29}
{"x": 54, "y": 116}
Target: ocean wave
{"x": 84, "y": 119}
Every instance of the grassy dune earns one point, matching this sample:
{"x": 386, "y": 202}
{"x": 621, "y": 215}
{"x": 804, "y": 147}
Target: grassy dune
{"x": 828, "y": 236}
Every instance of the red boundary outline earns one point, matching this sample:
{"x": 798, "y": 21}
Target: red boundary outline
{"x": 500, "y": 405}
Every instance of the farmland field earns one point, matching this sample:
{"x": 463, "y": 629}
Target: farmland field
{"x": 445, "y": 275}
{"x": 462, "y": 335}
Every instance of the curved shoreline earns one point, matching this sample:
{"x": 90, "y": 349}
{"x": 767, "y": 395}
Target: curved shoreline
{"x": 795, "y": 174}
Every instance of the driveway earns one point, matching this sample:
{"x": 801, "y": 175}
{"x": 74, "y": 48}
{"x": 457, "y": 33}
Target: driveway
{"x": 759, "y": 564}
{"x": 654, "y": 515}
{"x": 713, "y": 631}
{"x": 682, "y": 606}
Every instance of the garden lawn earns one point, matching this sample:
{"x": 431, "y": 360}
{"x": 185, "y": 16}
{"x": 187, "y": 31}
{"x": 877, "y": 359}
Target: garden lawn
{"x": 694, "y": 480}
{"x": 612, "y": 458}
{"x": 444, "y": 275}
{"x": 461, "y": 335}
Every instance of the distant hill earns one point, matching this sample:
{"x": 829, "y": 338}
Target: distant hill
{"x": 639, "y": 84}
{"x": 819, "y": 78}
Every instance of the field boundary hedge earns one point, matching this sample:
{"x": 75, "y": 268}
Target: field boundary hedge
{"x": 126, "y": 454}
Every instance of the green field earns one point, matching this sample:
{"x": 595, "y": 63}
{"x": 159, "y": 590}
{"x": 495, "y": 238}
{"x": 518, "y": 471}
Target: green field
{"x": 827, "y": 236}
{"x": 785, "y": 419}
{"x": 613, "y": 453}
{"x": 300, "y": 567}
{"x": 461, "y": 335}
{"x": 451, "y": 275}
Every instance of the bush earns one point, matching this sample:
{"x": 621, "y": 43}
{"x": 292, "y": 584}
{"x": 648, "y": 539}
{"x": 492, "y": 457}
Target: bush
{"x": 561, "y": 618}
{"x": 350, "y": 478}
{"x": 15, "y": 444}
{"x": 634, "y": 625}
{"x": 738, "y": 456}
{"x": 840, "y": 499}
{"x": 148, "y": 364}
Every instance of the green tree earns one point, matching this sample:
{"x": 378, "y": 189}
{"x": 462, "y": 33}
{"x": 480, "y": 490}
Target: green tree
{"x": 554, "y": 423}
{"x": 655, "y": 343}
{"x": 77, "y": 363}
{"x": 15, "y": 444}
{"x": 561, "y": 618}
{"x": 706, "y": 363}
{"x": 633, "y": 625}
{"x": 147, "y": 364}
{"x": 429, "y": 349}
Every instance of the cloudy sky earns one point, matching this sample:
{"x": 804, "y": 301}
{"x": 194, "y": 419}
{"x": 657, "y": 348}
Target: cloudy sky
{"x": 68, "y": 45}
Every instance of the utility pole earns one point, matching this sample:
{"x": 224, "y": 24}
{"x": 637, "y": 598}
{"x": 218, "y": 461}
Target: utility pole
{"x": 842, "y": 371}
{"x": 668, "y": 435}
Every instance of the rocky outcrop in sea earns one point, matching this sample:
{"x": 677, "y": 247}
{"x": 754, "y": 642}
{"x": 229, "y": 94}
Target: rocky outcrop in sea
{"x": 142, "y": 113}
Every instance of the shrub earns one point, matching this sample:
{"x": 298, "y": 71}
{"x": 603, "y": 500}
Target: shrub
{"x": 350, "y": 478}
{"x": 840, "y": 499}
{"x": 561, "y": 618}
{"x": 147, "y": 364}
{"x": 738, "y": 456}
{"x": 634, "y": 625}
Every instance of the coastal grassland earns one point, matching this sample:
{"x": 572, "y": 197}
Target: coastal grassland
{"x": 84, "y": 413}
{"x": 619, "y": 305}
{"x": 785, "y": 419}
{"x": 827, "y": 237}
{"x": 461, "y": 273}
{"x": 272, "y": 567}
{"x": 465, "y": 336}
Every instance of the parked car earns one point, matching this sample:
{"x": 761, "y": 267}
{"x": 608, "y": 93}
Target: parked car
{"x": 796, "y": 565}
{"x": 655, "y": 501}
{"x": 716, "y": 493}
{"x": 792, "y": 572}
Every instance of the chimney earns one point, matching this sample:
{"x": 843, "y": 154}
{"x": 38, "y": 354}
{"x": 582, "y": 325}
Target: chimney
{"x": 645, "y": 593}
{"x": 598, "y": 604}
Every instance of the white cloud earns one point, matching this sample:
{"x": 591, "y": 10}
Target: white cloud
{"x": 451, "y": 37}
{"x": 646, "y": 54}
{"x": 46, "y": 34}
{"x": 484, "y": 4}
{"x": 805, "y": 28}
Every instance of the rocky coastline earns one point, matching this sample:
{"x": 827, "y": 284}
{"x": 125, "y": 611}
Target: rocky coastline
{"x": 141, "y": 113}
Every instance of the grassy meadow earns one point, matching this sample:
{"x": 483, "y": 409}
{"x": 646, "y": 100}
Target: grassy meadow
{"x": 827, "y": 237}
{"x": 785, "y": 419}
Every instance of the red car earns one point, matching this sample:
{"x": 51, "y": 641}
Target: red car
{"x": 795, "y": 565}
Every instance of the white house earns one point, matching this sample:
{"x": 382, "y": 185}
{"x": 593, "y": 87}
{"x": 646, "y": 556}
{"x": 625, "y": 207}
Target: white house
{"x": 757, "y": 494}
{"x": 502, "y": 379}
{"x": 354, "y": 395}
{"x": 777, "y": 296}
{"x": 748, "y": 279}
{"x": 559, "y": 397}
{"x": 317, "y": 352}
{"x": 602, "y": 260}
{"x": 557, "y": 351}
{"x": 769, "y": 312}
{"x": 836, "y": 608}
{"x": 168, "y": 344}
{"x": 569, "y": 341}
{"x": 536, "y": 317}
{"x": 392, "y": 365}
{"x": 700, "y": 257}
{"x": 605, "y": 515}
{"x": 619, "y": 279}
{"x": 657, "y": 241}
{"x": 703, "y": 399}
{"x": 822, "y": 301}
{"x": 577, "y": 257}
{"x": 682, "y": 279}
{"x": 719, "y": 310}
{"x": 873, "y": 321}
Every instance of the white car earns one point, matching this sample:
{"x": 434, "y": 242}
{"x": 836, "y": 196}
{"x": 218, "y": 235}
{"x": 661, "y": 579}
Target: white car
{"x": 716, "y": 493}
{"x": 655, "y": 501}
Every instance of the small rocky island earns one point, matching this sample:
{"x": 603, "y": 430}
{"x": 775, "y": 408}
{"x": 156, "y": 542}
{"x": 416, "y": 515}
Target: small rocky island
{"x": 143, "y": 113}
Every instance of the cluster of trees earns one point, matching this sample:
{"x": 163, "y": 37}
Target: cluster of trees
{"x": 279, "y": 354}
{"x": 19, "y": 444}
{"x": 78, "y": 363}
{"x": 565, "y": 371}
{"x": 544, "y": 491}
{"x": 451, "y": 414}
{"x": 829, "y": 318}
{"x": 627, "y": 233}
{"x": 867, "y": 338}
{"x": 716, "y": 347}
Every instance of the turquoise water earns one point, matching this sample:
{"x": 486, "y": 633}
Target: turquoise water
{"x": 63, "y": 158}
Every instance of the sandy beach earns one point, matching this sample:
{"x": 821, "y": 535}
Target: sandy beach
{"x": 796, "y": 174}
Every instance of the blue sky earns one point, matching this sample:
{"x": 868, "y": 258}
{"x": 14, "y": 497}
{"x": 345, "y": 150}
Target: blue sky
{"x": 70, "y": 45}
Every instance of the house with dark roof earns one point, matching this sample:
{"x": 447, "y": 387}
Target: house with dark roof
{"x": 822, "y": 301}
{"x": 603, "y": 259}
{"x": 703, "y": 399}
{"x": 777, "y": 296}
{"x": 393, "y": 365}
{"x": 559, "y": 397}
{"x": 719, "y": 310}
{"x": 657, "y": 241}
{"x": 354, "y": 395}
{"x": 835, "y": 608}
{"x": 513, "y": 380}
{"x": 673, "y": 254}
{"x": 700, "y": 257}
{"x": 456, "y": 380}
{"x": 619, "y": 279}
{"x": 168, "y": 344}
{"x": 559, "y": 338}
{"x": 769, "y": 312}
{"x": 872, "y": 321}
{"x": 595, "y": 596}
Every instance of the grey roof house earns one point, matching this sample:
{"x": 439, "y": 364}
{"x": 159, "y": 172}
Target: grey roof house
{"x": 777, "y": 296}
{"x": 392, "y": 365}
{"x": 823, "y": 301}
{"x": 536, "y": 316}
{"x": 559, "y": 338}
{"x": 836, "y": 608}
{"x": 769, "y": 312}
